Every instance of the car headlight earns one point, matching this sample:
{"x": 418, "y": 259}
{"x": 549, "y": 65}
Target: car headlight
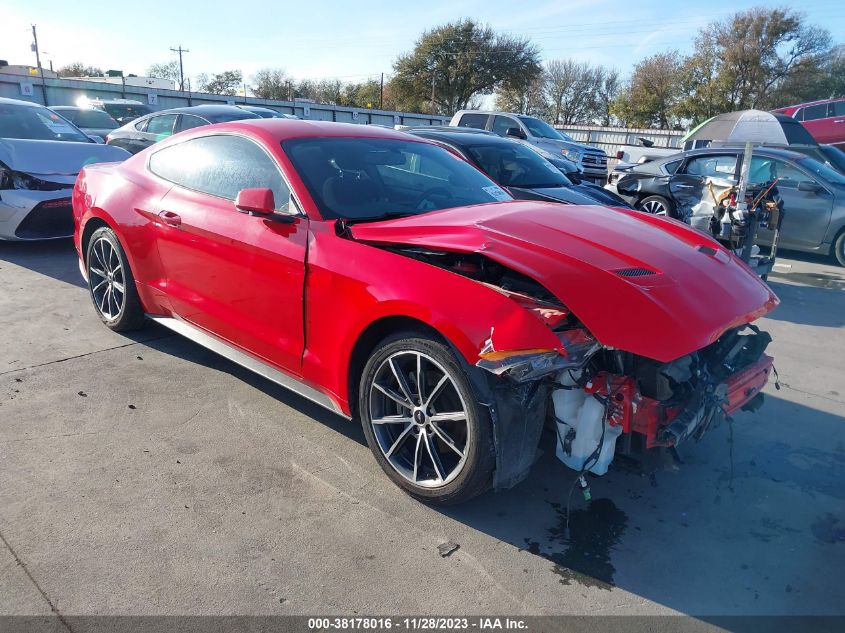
{"x": 572, "y": 154}
{"x": 10, "y": 179}
{"x": 577, "y": 344}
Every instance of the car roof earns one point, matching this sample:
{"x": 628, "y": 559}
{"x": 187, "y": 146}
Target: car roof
{"x": 205, "y": 108}
{"x": 20, "y": 102}
{"x": 278, "y": 130}
{"x": 808, "y": 103}
{"x": 462, "y": 138}
{"x": 762, "y": 150}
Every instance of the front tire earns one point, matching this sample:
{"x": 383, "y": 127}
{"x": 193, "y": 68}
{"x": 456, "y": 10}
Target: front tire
{"x": 423, "y": 422}
{"x": 111, "y": 283}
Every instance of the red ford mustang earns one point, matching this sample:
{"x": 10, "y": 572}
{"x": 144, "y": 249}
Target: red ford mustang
{"x": 386, "y": 279}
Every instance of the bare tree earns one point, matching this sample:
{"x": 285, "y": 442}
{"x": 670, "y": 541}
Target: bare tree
{"x": 571, "y": 89}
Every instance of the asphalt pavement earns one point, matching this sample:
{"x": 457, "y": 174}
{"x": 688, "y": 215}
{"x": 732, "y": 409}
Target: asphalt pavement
{"x": 145, "y": 475}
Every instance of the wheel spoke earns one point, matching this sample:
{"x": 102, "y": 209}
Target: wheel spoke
{"x": 435, "y": 458}
{"x": 98, "y": 256}
{"x": 118, "y": 286}
{"x": 419, "y": 379}
{"x": 392, "y": 419}
{"x": 394, "y": 396}
{"x": 436, "y": 391}
{"x": 452, "y": 416}
{"x": 100, "y": 285}
{"x": 447, "y": 440}
{"x": 399, "y": 441}
{"x": 98, "y": 272}
{"x": 103, "y": 301}
{"x": 403, "y": 382}
{"x": 417, "y": 455}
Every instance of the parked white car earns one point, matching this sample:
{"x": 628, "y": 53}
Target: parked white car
{"x": 40, "y": 155}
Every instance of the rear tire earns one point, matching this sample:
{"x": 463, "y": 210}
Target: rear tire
{"x": 430, "y": 436}
{"x": 839, "y": 248}
{"x": 111, "y": 283}
{"x": 657, "y": 205}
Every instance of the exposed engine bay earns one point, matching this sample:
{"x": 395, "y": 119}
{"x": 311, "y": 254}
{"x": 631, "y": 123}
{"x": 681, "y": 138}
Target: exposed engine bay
{"x": 620, "y": 395}
{"x": 605, "y": 400}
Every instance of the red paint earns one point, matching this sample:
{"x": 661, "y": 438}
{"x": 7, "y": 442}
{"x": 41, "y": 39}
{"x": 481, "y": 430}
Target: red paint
{"x": 299, "y": 296}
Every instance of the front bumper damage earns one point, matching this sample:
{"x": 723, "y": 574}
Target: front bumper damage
{"x": 598, "y": 398}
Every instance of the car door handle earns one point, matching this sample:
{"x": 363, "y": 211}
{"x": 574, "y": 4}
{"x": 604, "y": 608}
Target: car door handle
{"x": 839, "y": 121}
{"x": 683, "y": 186}
{"x": 170, "y": 218}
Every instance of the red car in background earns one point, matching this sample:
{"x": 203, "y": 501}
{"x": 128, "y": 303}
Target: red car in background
{"x": 825, "y": 120}
{"x": 385, "y": 278}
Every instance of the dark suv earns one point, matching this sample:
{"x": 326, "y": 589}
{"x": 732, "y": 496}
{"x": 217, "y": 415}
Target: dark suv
{"x": 528, "y": 129}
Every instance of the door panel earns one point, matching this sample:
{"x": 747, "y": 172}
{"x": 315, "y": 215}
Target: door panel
{"x": 806, "y": 213}
{"x": 238, "y": 276}
{"x": 690, "y": 186}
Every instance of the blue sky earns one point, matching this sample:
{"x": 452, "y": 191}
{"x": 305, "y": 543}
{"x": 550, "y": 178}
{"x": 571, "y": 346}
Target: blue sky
{"x": 352, "y": 40}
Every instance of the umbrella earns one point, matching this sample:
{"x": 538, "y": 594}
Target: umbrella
{"x": 755, "y": 126}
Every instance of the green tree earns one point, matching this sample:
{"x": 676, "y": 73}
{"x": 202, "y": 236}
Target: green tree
{"x": 653, "y": 93}
{"x": 453, "y": 63}
{"x": 523, "y": 96}
{"x": 226, "y": 83}
{"x": 272, "y": 83}
{"x": 746, "y": 60}
{"x": 78, "y": 69}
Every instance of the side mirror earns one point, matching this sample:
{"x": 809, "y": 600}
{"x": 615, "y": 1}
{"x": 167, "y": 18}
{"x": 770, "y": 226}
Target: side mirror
{"x": 808, "y": 186}
{"x": 515, "y": 132}
{"x": 258, "y": 201}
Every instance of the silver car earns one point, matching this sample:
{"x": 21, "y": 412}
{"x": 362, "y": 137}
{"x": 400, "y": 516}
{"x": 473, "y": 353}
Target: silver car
{"x": 40, "y": 155}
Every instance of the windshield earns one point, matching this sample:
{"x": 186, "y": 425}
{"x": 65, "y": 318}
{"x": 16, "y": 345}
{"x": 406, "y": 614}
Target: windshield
{"x": 373, "y": 179}
{"x": 514, "y": 165}
{"x": 37, "y": 123}
{"x": 822, "y": 171}
{"x": 126, "y": 110}
{"x": 94, "y": 118}
{"x": 543, "y": 130}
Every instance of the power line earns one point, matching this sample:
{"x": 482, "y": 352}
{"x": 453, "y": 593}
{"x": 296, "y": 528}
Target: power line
{"x": 180, "y": 50}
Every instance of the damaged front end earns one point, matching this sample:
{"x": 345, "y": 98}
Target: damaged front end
{"x": 648, "y": 404}
{"x": 601, "y": 400}
{"x": 606, "y": 401}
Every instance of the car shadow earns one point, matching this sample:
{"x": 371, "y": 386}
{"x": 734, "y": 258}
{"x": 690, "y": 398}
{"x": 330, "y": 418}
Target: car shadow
{"x": 51, "y": 258}
{"x": 747, "y": 525}
{"x": 185, "y": 349}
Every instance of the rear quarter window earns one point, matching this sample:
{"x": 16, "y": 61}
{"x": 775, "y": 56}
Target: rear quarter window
{"x": 478, "y": 121}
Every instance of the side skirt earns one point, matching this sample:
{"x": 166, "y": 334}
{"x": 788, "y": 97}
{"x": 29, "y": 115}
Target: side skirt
{"x": 243, "y": 359}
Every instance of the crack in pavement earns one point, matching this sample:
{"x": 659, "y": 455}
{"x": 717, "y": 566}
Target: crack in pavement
{"x": 34, "y": 582}
{"x": 99, "y": 351}
{"x": 786, "y": 385}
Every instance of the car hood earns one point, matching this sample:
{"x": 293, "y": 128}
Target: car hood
{"x": 55, "y": 158}
{"x": 640, "y": 283}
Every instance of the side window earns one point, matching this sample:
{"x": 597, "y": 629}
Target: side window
{"x": 221, "y": 166}
{"x": 672, "y": 166}
{"x": 161, "y": 125}
{"x": 501, "y": 124}
{"x": 141, "y": 125}
{"x": 811, "y": 113}
{"x": 188, "y": 121}
{"x": 711, "y": 166}
{"x": 799, "y": 114}
{"x": 478, "y": 121}
{"x": 765, "y": 170}
{"x": 838, "y": 108}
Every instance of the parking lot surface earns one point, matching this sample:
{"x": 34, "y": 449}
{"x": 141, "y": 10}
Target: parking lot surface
{"x": 146, "y": 475}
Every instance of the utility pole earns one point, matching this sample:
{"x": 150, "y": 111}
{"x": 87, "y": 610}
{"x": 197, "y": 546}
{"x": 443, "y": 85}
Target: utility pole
{"x": 180, "y": 50}
{"x": 38, "y": 62}
{"x": 381, "y": 94}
